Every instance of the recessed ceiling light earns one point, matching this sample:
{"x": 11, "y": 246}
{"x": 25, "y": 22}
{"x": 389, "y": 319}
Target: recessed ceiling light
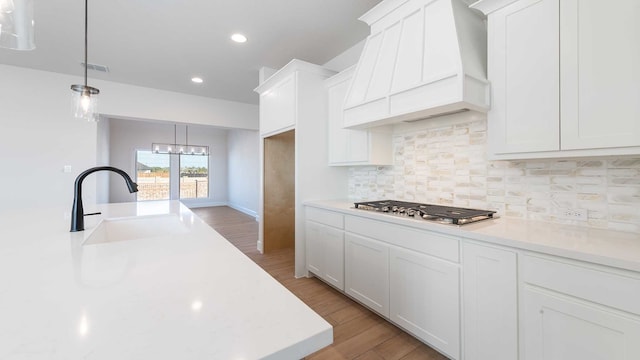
{"x": 239, "y": 38}
{"x": 197, "y": 80}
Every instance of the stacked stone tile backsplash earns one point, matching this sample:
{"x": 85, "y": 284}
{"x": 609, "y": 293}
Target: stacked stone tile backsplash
{"x": 447, "y": 164}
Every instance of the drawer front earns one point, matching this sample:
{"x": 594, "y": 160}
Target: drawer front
{"x": 423, "y": 241}
{"x": 600, "y": 285}
{"x": 325, "y": 217}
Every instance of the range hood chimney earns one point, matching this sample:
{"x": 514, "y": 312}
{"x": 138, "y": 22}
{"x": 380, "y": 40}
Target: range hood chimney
{"x": 424, "y": 58}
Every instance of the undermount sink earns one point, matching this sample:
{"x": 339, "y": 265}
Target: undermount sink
{"x": 142, "y": 227}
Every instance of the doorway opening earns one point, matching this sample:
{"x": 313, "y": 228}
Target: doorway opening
{"x": 279, "y": 192}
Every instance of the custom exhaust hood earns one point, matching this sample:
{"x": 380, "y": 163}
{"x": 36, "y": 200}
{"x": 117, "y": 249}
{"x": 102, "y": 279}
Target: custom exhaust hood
{"x": 424, "y": 58}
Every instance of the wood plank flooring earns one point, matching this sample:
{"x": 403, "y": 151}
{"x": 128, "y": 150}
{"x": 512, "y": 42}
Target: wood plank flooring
{"x": 358, "y": 333}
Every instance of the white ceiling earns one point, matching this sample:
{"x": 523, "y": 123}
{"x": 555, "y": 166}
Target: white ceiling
{"x": 163, "y": 43}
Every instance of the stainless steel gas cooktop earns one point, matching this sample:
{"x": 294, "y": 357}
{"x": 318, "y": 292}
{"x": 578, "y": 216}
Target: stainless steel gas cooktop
{"x": 436, "y": 213}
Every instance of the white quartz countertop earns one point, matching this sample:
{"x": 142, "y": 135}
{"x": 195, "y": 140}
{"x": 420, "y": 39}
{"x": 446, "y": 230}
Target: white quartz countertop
{"x": 180, "y": 291}
{"x": 605, "y": 247}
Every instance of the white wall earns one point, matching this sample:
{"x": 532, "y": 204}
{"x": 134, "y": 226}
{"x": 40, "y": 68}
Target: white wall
{"x": 102, "y": 159}
{"x": 39, "y": 136}
{"x": 127, "y": 136}
{"x": 347, "y": 58}
{"x": 244, "y": 170}
{"x": 128, "y": 101}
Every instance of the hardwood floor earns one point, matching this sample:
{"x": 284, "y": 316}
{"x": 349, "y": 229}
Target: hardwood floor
{"x": 357, "y": 332}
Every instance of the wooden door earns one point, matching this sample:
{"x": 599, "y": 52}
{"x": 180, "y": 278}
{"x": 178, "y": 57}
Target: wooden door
{"x": 279, "y": 191}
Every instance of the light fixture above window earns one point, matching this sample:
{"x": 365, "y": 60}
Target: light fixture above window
{"x": 197, "y": 80}
{"x": 17, "y": 25}
{"x": 84, "y": 97}
{"x": 181, "y": 149}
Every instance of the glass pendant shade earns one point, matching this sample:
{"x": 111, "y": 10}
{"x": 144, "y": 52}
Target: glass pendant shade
{"x": 17, "y": 25}
{"x": 85, "y": 98}
{"x": 85, "y": 102}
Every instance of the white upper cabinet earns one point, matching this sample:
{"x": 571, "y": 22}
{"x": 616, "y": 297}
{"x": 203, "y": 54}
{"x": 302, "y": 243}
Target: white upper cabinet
{"x": 565, "y": 79}
{"x": 423, "y": 58}
{"x": 280, "y": 100}
{"x": 353, "y": 147}
{"x": 524, "y": 65}
{"x": 278, "y": 106}
{"x": 600, "y": 73}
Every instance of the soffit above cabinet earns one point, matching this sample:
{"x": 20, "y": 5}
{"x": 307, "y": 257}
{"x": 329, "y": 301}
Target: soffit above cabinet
{"x": 424, "y": 58}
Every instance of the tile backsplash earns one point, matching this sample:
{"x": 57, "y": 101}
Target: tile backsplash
{"x": 447, "y": 164}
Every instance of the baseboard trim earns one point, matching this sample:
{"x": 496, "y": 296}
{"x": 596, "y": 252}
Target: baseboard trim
{"x": 203, "y": 204}
{"x": 244, "y": 210}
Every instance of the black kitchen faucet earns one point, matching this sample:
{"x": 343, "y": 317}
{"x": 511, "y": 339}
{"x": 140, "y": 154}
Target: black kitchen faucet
{"x": 77, "y": 213}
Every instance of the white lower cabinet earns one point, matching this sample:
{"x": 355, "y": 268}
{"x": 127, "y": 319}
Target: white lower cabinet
{"x": 367, "y": 272}
{"x": 325, "y": 253}
{"x": 557, "y": 327}
{"x": 576, "y": 310}
{"x": 490, "y": 304}
{"x": 425, "y": 298}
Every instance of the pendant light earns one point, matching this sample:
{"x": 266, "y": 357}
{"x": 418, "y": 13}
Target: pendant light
{"x": 17, "y": 25}
{"x": 84, "y": 97}
{"x": 181, "y": 149}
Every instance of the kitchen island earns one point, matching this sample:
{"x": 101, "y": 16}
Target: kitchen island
{"x": 143, "y": 281}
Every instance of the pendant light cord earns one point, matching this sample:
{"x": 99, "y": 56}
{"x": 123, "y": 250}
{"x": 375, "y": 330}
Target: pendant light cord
{"x": 86, "y": 42}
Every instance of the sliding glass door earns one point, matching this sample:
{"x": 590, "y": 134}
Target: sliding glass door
{"x": 153, "y": 175}
{"x": 171, "y": 176}
{"x": 194, "y": 176}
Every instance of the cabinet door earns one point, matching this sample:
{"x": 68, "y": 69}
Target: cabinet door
{"x": 557, "y": 327}
{"x": 367, "y": 272}
{"x": 600, "y": 79}
{"x": 278, "y": 106}
{"x": 333, "y": 243}
{"x": 425, "y": 298}
{"x": 523, "y": 41}
{"x": 325, "y": 253}
{"x": 345, "y": 145}
{"x": 314, "y": 248}
{"x": 490, "y": 303}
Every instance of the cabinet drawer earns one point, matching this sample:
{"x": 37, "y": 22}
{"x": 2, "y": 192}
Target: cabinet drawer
{"x": 423, "y": 241}
{"x": 600, "y": 285}
{"x": 325, "y": 217}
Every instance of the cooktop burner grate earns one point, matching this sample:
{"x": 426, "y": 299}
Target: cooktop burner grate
{"x": 439, "y": 213}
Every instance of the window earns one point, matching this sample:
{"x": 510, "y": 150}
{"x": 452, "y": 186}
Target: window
{"x": 194, "y": 176}
{"x": 153, "y": 173}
